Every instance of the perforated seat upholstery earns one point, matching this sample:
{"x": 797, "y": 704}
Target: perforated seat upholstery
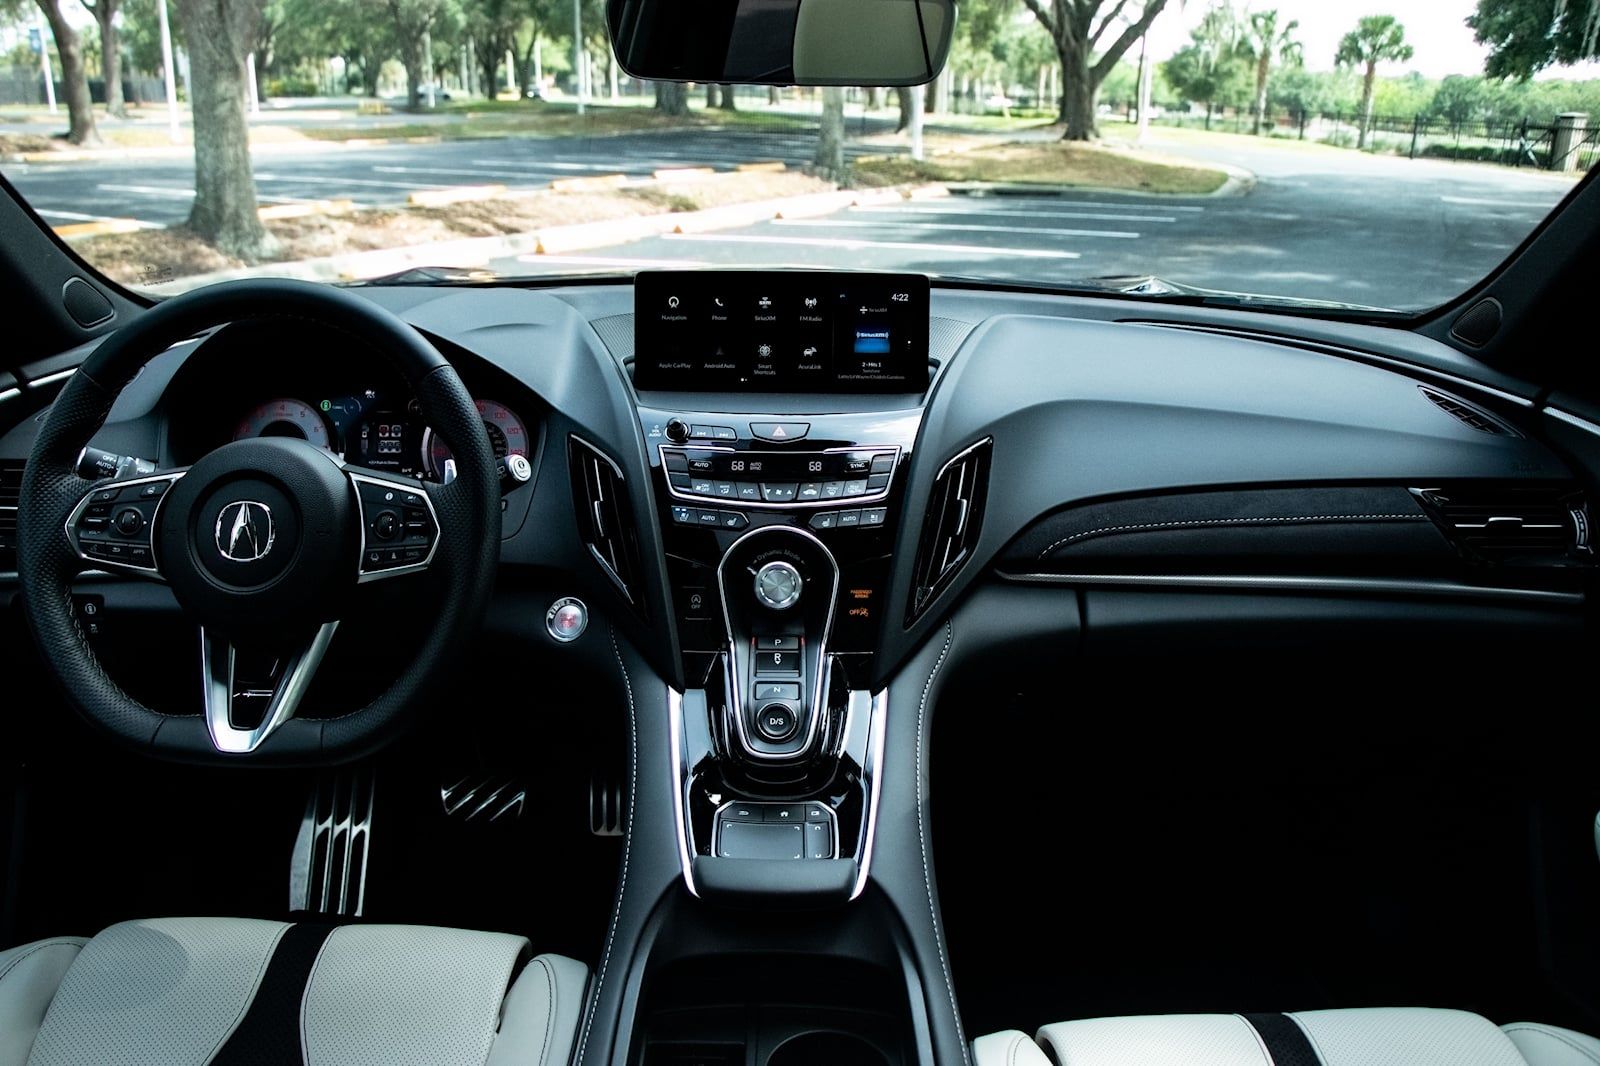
{"x": 220, "y": 991}
{"x": 1399, "y": 1036}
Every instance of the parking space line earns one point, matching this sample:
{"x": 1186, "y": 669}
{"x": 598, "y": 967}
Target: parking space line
{"x": 941, "y": 209}
{"x": 149, "y": 190}
{"x": 1047, "y": 202}
{"x": 959, "y": 227}
{"x": 862, "y": 245}
{"x": 368, "y": 182}
{"x": 78, "y": 216}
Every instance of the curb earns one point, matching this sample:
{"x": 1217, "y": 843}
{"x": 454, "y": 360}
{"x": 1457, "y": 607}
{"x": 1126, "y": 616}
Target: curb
{"x": 455, "y": 194}
{"x": 473, "y": 252}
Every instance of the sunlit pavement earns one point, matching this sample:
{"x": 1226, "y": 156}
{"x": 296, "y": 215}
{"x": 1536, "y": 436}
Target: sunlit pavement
{"x": 159, "y": 191}
{"x": 1326, "y": 225}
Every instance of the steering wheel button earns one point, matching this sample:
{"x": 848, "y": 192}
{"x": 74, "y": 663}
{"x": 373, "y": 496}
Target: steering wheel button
{"x": 106, "y": 495}
{"x": 129, "y": 521}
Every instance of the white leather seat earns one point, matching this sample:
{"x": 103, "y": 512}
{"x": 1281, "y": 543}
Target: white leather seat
{"x": 179, "y": 991}
{"x": 1401, "y": 1036}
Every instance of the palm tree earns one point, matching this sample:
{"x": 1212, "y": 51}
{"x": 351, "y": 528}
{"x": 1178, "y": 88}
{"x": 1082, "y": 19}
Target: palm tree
{"x": 1266, "y": 42}
{"x": 1376, "y": 39}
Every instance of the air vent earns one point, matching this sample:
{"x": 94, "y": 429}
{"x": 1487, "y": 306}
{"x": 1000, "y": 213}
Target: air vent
{"x": 605, "y": 520}
{"x": 950, "y": 528}
{"x": 1512, "y": 525}
{"x": 10, "y": 491}
{"x": 1467, "y": 414}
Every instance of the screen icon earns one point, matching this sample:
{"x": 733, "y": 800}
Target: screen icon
{"x": 717, "y": 300}
{"x": 765, "y": 303}
{"x": 811, "y": 302}
{"x": 672, "y": 302}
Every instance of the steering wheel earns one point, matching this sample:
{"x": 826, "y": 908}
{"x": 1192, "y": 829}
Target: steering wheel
{"x": 263, "y": 541}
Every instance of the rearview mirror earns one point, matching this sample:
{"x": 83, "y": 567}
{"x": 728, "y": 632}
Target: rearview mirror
{"x": 783, "y": 42}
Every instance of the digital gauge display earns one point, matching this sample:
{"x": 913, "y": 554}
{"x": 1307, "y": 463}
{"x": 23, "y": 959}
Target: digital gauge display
{"x": 507, "y": 436}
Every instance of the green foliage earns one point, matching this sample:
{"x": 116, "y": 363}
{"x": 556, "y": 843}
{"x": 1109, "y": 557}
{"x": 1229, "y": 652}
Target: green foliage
{"x": 1215, "y": 67}
{"x": 1376, "y": 39}
{"x": 1525, "y": 36}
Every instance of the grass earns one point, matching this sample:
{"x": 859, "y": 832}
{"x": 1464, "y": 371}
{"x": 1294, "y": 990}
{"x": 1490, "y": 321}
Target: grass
{"x": 534, "y": 118}
{"x": 1046, "y": 163}
{"x": 153, "y": 257}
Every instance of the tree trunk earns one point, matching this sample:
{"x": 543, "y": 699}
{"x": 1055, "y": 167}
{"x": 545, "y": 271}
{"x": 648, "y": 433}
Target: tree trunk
{"x": 711, "y": 95}
{"x": 672, "y": 98}
{"x": 74, "y": 82}
{"x": 411, "y": 58}
{"x": 829, "y": 160}
{"x": 1263, "y": 70}
{"x": 1366, "y": 104}
{"x": 1079, "y": 92}
{"x": 907, "y": 101}
{"x": 224, "y": 210}
{"x": 727, "y": 102}
{"x": 874, "y": 98}
{"x": 490, "y": 58}
{"x": 774, "y": 96}
{"x": 105, "y": 13}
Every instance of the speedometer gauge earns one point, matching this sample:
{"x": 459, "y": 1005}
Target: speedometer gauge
{"x": 285, "y": 418}
{"x": 507, "y": 436}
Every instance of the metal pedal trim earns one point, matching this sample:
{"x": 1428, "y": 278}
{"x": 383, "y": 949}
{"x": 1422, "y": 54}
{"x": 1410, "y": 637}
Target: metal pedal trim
{"x": 328, "y": 868}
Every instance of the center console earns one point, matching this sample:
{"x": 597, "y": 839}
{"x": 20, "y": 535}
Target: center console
{"x": 780, "y": 412}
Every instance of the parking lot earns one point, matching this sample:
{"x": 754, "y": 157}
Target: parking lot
{"x": 1326, "y": 225}
{"x": 1322, "y": 223}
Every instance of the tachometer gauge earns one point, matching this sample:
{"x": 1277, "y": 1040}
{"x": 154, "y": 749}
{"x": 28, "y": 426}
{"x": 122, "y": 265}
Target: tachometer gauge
{"x": 507, "y": 436}
{"x": 285, "y": 418}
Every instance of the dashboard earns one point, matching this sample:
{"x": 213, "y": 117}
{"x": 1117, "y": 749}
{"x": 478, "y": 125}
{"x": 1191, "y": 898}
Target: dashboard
{"x": 1075, "y": 444}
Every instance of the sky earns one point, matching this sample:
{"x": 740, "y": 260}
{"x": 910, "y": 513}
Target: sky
{"x": 1435, "y": 28}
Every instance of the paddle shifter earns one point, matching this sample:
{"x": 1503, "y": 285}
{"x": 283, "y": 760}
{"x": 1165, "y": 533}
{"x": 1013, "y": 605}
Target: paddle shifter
{"x": 778, "y": 586}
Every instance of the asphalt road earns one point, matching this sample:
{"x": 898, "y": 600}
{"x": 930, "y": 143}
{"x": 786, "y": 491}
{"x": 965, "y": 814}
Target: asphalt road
{"x": 159, "y": 191}
{"x": 1322, "y": 225}
{"x": 1319, "y": 223}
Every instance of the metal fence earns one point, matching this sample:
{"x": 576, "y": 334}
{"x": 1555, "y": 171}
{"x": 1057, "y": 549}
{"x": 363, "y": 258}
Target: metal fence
{"x": 21, "y": 86}
{"x": 1520, "y": 142}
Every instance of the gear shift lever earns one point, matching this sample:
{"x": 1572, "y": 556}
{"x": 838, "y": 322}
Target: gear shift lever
{"x": 778, "y": 589}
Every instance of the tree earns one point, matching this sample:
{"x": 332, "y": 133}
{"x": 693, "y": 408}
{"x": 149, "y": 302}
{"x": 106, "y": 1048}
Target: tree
{"x": 672, "y": 98}
{"x": 1267, "y": 43}
{"x": 105, "y": 15}
{"x": 74, "y": 78}
{"x": 1214, "y": 67}
{"x": 1525, "y": 36}
{"x": 1376, "y": 39}
{"x": 492, "y": 25}
{"x": 829, "y": 159}
{"x": 218, "y": 38}
{"x": 1077, "y": 28}
{"x": 414, "y": 22}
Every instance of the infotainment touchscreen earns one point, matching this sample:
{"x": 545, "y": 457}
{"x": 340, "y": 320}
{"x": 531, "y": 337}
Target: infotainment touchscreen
{"x": 777, "y": 331}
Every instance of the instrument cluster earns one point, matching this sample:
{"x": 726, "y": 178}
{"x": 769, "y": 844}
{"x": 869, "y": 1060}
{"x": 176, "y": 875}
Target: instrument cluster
{"x": 373, "y": 429}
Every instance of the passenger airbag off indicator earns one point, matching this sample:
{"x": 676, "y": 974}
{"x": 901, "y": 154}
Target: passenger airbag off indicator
{"x": 566, "y": 619}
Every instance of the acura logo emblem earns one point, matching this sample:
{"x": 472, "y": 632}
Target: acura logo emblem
{"x": 244, "y": 531}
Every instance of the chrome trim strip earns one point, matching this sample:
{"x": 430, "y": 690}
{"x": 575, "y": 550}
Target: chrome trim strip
{"x": 1577, "y": 422}
{"x": 9, "y": 394}
{"x": 962, "y": 454}
{"x": 1436, "y": 589}
{"x": 819, "y": 698}
{"x": 680, "y": 786}
{"x": 877, "y": 727}
{"x": 51, "y": 379}
{"x": 839, "y": 503}
{"x": 364, "y": 575}
{"x": 217, "y": 673}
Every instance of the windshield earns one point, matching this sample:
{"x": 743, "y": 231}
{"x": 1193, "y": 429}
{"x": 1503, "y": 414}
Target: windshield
{"x": 1288, "y": 152}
